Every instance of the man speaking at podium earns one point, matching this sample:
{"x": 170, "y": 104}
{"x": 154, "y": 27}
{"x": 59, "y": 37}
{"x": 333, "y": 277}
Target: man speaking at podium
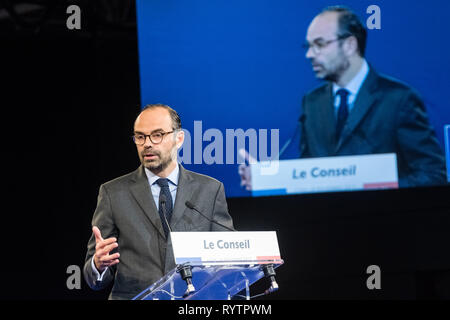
{"x": 359, "y": 111}
{"x": 130, "y": 245}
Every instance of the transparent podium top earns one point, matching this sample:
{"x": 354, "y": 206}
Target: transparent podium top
{"x": 216, "y": 282}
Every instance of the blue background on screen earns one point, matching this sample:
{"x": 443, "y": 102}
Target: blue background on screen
{"x": 447, "y": 149}
{"x": 239, "y": 64}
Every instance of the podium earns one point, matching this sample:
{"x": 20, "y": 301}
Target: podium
{"x": 220, "y": 266}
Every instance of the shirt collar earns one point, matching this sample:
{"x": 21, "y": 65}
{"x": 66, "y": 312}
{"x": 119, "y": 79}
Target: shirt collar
{"x": 173, "y": 176}
{"x": 355, "y": 84}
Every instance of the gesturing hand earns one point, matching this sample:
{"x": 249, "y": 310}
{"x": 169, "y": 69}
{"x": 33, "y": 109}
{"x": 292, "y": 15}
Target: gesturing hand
{"x": 244, "y": 169}
{"x": 102, "y": 258}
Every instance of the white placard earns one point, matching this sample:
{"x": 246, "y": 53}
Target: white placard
{"x": 225, "y": 248}
{"x": 378, "y": 171}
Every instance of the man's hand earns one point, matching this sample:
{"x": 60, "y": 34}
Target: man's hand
{"x": 244, "y": 169}
{"x": 102, "y": 258}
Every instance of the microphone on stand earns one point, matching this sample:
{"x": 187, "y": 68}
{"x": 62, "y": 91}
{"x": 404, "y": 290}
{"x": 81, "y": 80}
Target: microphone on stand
{"x": 184, "y": 270}
{"x": 269, "y": 272}
{"x": 192, "y": 207}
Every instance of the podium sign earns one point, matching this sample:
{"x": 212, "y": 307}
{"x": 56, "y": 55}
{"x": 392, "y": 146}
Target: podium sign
{"x": 225, "y": 248}
{"x": 378, "y": 171}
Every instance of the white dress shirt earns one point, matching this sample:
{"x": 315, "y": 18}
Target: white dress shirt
{"x": 352, "y": 87}
{"x": 173, "y": 184}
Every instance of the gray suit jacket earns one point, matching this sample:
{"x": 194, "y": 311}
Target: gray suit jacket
{"x": 126, "y": 210}
{"x": 388, "y": 117}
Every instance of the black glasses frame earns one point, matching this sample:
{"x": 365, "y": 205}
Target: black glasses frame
{"x": 318, "y": 47}
{"x": 152, "y": 140}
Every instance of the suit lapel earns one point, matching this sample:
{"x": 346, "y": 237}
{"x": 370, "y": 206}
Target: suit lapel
{"x": 364, "y": 101}
{"x": 140, "y": 189}
{"x": 326, "y": 119}
{"x": 185, "y": 189}
{"x": 143, "y": 195}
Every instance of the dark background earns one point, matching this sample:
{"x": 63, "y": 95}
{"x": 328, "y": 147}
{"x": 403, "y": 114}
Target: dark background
{"x": 69, "y": 99}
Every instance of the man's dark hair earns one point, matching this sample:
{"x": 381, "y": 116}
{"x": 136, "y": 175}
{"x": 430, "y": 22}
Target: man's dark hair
{"x": 176, "y": 121}
{"x": 350, "y": 25}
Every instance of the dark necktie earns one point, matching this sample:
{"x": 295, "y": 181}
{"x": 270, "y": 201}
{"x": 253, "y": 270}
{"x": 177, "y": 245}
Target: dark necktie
{"x": 342, "y": 111}
{"x": 166, "y": 208}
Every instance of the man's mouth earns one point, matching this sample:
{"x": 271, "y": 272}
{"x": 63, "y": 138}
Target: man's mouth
{"x": 317, "y": 67}
{"x": 150, "y": 156}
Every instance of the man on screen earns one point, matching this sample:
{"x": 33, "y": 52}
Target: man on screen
{"x": 359, "y": 111}
{"x": 130, "y": 245}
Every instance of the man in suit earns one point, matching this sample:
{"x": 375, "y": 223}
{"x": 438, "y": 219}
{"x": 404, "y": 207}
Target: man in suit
{"x": 358, "y": 111}
{"x": 131, "y": 244}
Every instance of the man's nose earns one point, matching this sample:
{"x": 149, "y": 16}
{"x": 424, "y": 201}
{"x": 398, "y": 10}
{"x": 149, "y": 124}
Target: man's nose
{"x": 310, "y": 53}
{"x": 147, "y": 142}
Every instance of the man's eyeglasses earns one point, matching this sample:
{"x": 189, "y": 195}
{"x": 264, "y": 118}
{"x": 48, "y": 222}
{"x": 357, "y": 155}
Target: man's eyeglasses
{"x": 155, "y": 137}
{"x": 319, "y": 44}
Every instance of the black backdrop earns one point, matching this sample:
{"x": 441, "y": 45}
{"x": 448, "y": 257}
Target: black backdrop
{"x": 69, "y": 99}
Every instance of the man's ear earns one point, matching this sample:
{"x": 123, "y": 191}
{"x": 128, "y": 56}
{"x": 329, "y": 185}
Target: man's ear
{"x": 351, "y": 46}
{"x": 179, "y": 138}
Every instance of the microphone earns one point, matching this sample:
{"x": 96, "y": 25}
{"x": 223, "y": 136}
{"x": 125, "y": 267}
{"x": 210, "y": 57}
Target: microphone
{"x": 184, "y": 270}
{"x": 186, "y": 274}
{"x": 192, "y": 207}
{"x": 269, "y": 272}
{"x": 289, "y": 141}
{"x": 162, "y": 203}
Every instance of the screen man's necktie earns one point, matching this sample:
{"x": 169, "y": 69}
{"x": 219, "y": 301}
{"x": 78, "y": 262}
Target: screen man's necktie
{"x": 342, "y": 111}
